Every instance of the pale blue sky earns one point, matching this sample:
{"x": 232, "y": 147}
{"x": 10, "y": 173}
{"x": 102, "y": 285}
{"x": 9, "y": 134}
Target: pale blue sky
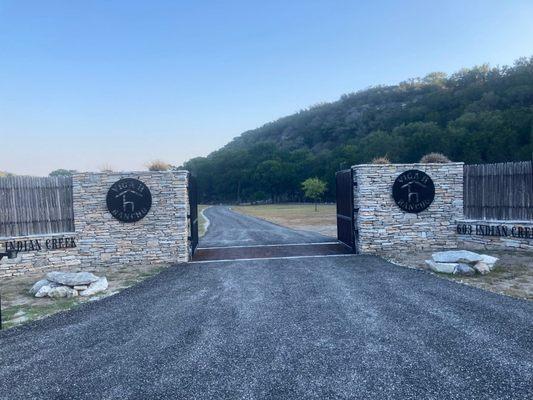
{"x": 87, "y": 83}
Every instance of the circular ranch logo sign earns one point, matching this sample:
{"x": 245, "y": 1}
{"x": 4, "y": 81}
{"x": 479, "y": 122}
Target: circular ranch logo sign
{"x": 129, "y": 200}
{"x": 413, "y": 191}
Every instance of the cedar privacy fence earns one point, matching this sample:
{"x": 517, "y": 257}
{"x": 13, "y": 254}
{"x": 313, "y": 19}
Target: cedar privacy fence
{"x": 31, "y": 206}
{"x": 501, "y": 191}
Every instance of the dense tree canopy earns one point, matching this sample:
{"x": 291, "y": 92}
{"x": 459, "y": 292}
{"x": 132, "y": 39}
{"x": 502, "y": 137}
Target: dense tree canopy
{"x": 476, "y": 115}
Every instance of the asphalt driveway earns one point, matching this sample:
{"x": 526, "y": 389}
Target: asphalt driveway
{"x": 338, "y": 327}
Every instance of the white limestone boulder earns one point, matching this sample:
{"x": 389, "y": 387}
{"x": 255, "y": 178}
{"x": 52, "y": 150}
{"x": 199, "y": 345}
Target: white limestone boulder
{"x": 456, "y": 256}
{"x": 99, "y": 286}
{"x": 38, "y": 285}
{"x": 489, "y": 260}
{"x": 43, "y": 291}
{"x": 464, "y": 269}
{"x": 62, "y": 291}
{"x": 72, "y": 278}
{"x": 482, "y": 267}
{"x": 443, "y": 268}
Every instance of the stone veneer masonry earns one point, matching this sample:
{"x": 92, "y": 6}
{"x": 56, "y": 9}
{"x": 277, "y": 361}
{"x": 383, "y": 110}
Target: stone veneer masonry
{"x": 160, "y": 237}
{"x": 384, "y": 228}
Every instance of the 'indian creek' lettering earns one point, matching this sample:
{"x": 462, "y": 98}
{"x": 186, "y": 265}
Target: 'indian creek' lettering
{"x": 38, "y": 245}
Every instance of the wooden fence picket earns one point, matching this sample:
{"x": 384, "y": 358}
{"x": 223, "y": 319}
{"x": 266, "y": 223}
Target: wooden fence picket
{"x": 502, "y": 191}
{"x": 32, "y": 206}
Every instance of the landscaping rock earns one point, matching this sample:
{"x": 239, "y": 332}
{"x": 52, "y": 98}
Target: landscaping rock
{"x": 19, "y": 320}
{"x": 464, "y": 269}
{"x": 69, "y": 284}
{"x": 456, "y": 256}
{"x": 489, "y": 260}
{"x": 43, "y": 291}
{"x": 62, "y": 291}
{"x": 444, "y": 268}
{"x": 38, "y": 285}
{"x": 99, "y": 286}
{"x": 482, "y": 267}
{"x": 72, "y": 278}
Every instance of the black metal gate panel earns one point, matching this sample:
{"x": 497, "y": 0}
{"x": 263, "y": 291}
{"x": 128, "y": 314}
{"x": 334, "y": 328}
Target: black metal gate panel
{"x": 193, "y": 213}
{"x": 345, "y": 208}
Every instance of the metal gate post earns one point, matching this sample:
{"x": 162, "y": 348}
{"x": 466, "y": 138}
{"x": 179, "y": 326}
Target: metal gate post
{"x": 193, "y": 213}
{"x": 345, "y": 208}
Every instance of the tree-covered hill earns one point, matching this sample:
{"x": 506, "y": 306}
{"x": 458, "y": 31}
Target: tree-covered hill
{"x": 476, "y": 115}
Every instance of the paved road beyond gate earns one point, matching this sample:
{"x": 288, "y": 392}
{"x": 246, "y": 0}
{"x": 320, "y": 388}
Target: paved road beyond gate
{"x": 233, "y": 236}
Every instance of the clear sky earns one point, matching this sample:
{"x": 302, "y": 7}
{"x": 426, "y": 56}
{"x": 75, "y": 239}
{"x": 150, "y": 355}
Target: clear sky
{"x": 94, "y": 82}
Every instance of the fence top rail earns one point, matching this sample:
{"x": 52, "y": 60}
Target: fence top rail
{"x": 509, "y": 163}
{"x": 9, "y": 182}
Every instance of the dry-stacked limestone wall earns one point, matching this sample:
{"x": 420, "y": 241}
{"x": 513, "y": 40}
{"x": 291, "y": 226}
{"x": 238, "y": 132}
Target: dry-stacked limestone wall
{"x": 161, "y": 236}
{"x": 382, "y": 227}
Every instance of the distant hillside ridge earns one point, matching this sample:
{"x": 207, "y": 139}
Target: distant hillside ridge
{"x": 476, "y": 115}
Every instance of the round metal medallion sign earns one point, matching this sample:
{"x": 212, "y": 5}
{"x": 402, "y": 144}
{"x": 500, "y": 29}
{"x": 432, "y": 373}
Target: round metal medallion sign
{"x": 413, "y": 191}
{"x": 129, "y": 200}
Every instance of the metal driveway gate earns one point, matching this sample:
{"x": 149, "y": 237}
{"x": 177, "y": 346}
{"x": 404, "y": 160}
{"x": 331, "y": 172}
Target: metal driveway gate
{"x": 193, "y": 213}
{"x": 345, "y": 208}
